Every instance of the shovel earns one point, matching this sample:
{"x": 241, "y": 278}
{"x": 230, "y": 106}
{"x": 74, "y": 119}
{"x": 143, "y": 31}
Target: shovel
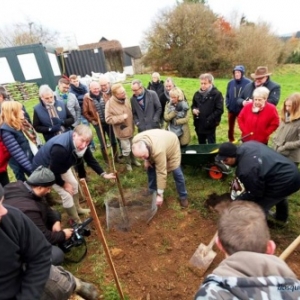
{"x": 203, "y": 257}
{"x": 286, "y": 253}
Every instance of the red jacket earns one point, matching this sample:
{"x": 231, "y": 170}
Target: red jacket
{"x": 261, "y": 124}
{"x": 4, "y": 157}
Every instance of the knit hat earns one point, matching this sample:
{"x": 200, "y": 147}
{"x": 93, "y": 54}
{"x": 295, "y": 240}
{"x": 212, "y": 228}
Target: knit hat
{"x": 1, "y": 191}
{"x": 226, "y": 150}
{"x": 41, "y": 176}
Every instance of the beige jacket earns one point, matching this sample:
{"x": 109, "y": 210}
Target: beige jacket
{"x": 164, "y": 152}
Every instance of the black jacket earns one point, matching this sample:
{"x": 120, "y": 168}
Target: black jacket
{"x": 266, "y": 173}
{"x": 157, "y": 87}
{"x": 25, "y": 257}
{"x": 272, "y": 86}
{"x": 35, "y": 208}
{"x": 211, "y": 110}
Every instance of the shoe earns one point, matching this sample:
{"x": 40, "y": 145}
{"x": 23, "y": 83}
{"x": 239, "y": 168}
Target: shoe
{"x": 86, "y": 290}
{"x": 184, "y": 203}
{"x": 276, "y": 224}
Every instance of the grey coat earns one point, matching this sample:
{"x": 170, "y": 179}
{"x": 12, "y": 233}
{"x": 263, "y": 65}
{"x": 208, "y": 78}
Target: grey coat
{"x": 149, "y": 117}
{"x": 72, "y": 105}
{"x": 287, "y": 140}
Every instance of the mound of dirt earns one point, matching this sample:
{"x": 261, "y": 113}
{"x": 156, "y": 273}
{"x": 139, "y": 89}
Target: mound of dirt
{"x": 218, "y": 202}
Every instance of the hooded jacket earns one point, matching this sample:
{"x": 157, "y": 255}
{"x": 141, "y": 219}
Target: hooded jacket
{"x": 234, "y": 91}
{"x": 248, "y": 275}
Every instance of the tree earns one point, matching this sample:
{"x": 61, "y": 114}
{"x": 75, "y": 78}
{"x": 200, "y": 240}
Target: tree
{"x": 27, "y": 33}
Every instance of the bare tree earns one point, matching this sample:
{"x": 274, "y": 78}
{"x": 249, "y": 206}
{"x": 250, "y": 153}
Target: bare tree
{"x": 27, "y": 33}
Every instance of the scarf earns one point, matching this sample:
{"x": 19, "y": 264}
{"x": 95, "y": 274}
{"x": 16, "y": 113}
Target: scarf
{"x": 63, "y": 95}
{"x": 96, "y": 97}
{"x": 78, "y": 89}
{"x": 205, "y": 93}
{"x": 287, "y": 117}
{"x": 29, "y": 131}
{"x": 141, "y": 100}
{"x": 53, "y": 114}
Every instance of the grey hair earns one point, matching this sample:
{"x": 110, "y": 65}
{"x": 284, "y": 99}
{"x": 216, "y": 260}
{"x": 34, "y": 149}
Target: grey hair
{"x": 170, "y": 80}
{"x": 138, "y": 82}
{"x": 84, "y": 130}
{"x": 261, "y": 91}
{"x": 104, "y": 77}
{"x": 45, "y": 88}
{"x": 207, "y": 76}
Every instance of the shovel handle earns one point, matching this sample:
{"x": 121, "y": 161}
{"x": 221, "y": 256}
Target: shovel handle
{"x": 212, "y": 241}
{"x": 286, "y": 253}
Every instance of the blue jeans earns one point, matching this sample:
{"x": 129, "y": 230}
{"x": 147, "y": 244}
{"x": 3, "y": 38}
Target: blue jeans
{"x": 178, "y": 177}
{"x": 17, "y": 169}
{"x": 86, "y": 122}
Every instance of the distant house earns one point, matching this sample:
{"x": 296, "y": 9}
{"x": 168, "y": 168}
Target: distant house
{"x": 132, "y": 60}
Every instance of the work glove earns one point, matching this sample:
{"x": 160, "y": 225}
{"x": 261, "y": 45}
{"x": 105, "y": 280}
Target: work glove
{"x": 55, "y": 128}
{"x": 57, "y": 121}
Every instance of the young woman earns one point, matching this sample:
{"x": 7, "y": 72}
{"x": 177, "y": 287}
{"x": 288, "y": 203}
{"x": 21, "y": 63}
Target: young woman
{"x": 287, "y": 137}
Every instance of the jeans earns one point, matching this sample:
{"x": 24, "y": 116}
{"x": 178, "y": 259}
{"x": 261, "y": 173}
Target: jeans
{"x": 86, "y": 122}
{"x": 178, "y": 177}
{"x": 57, "y": 256}
{"x": 106, "y": 128}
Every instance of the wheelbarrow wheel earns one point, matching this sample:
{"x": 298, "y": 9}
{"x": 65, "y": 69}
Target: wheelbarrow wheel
{"x": 216, "y": 172}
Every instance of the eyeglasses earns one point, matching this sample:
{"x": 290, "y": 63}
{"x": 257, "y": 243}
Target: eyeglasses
{"x": 136, "y": 90}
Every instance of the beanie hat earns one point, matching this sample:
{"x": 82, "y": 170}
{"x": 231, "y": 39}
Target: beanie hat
{"x": 240, "y": 68}
{"x": 226, "y": 150}
{"x": 41, "y": 176}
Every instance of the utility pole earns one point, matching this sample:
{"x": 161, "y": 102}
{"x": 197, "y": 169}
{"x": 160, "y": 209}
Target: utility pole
{"x": 30, "y": 31}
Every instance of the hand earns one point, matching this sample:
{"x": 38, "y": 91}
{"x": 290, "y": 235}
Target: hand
{"x": 159, "y": 200}
{"x": 147, "y": 164}
{"x": 109, "y": 176}
{"x": 68, "y": 188}
{"x": 94, "y": 123}
{"x": 56, "y": 226}
{"x": 55, "y": 128}
{"x": 57, "y": 121}
{"x": 68, "y": 232}
{"x": 125, "y": 116}
{"x": 196, "y": 112}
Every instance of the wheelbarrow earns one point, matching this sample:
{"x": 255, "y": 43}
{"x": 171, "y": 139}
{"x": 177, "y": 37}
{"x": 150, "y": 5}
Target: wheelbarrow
{"x": 203, "y": 156}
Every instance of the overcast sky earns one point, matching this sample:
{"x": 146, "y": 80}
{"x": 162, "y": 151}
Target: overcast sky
{"x": 126, "y": 20}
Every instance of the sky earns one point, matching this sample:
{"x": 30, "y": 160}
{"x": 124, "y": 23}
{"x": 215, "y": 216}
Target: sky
{"x": 86, "y": 21}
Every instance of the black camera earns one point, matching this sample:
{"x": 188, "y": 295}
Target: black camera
{"x": 77, "y": 237}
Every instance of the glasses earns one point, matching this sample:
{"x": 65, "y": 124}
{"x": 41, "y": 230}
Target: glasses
{"x": 136, "y": 90}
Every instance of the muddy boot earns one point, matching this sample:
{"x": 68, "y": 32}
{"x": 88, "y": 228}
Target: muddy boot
{"x": 104, "y": 155}
{"x": 134, "y": 161}
{"x": 128, "y": 163}
{"x": 86, "y": 290}
{"x": 80, "y": 210}
{"x": 72, "y": 213}
{"x": 116, "y": 155}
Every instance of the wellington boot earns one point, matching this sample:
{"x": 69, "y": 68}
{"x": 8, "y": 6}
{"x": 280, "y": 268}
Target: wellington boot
{"x": 117, "y": 159}
{"x": 86, "y": 290}
{"x": 128, "y": 163}
{"x": 72, "y": 213}
{"x": 134, "y": 161}
{"x": 80, "y": 210}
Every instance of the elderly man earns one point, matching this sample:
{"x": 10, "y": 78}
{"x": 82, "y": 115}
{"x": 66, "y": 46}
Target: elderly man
{"x": 160, "y": 150}
{"x": 26, "y": 271}
{"x": 261, "y": 77}
{"x": 51, "y": 117}
{"x": 60, "y": 154}
{"x": 267, "y": 176}
{"x": 94, "y": 111}
{"x": 146, "y": 107}
{"x": 29, "y": 197}
{"x": 207, "y": 108}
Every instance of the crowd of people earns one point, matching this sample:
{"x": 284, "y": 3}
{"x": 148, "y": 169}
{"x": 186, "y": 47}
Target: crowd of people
{"x": 160, "y": 114}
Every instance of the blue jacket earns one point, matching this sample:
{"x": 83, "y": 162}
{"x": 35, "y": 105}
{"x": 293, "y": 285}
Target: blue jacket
{"x": 234, "y": 90}
{"x": 42, "y": 122}
{"x": 79, "y": 92}
{"x": 18, "y": 147}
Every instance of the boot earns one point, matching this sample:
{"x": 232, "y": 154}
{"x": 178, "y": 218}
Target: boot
{"x": 116, "y": 155}
{"x": 86, "y": 290}
{"x": 81, "y": 211}
{"x": 134, "y": 161}
{"x": 128, "y": 163}
{"x": 72, "y": 213}
{"x": 104, "y": 155}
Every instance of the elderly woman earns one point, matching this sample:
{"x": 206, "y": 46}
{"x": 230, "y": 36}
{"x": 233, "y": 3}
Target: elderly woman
{"x": 258, "y": 119}
{"x": 18, "y": 137}
{"x": 287, "y": 137}
{"x": 177, "y": 116}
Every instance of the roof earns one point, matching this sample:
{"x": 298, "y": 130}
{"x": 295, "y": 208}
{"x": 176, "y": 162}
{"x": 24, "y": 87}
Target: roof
{"x": 112, "y": 45}
{"x": 134, "y": 51}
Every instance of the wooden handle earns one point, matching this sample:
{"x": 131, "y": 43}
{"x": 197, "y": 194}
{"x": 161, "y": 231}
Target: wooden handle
{"x": 212, "y": 241}
{"x": 286, "y": 253}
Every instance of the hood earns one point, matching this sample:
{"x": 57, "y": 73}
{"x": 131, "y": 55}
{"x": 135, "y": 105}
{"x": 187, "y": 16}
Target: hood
{"x": 240, "y": 68}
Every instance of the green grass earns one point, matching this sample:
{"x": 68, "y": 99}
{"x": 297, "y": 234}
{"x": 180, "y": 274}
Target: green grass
{"x": 199, "y": 185}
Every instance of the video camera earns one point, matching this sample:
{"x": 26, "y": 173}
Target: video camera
{"x": 77, "y": 237}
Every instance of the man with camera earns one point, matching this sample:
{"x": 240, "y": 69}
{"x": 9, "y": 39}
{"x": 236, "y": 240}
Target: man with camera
{"x": 29, "y": 197}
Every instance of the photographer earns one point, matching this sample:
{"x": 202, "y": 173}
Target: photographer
{"x": 29, "y": 196}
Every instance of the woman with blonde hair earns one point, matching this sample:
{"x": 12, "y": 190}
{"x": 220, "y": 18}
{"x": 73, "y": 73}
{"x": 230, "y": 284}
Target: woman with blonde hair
{"x": 176, "y": 115}
{"x": 287, "y": 137}
{"x": 17, "y": 134}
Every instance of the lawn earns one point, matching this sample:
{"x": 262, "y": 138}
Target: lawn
{"x": 171, "y": 219}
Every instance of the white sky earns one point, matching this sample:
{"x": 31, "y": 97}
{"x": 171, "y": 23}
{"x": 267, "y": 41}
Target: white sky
{"x": 126, "y": 20}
